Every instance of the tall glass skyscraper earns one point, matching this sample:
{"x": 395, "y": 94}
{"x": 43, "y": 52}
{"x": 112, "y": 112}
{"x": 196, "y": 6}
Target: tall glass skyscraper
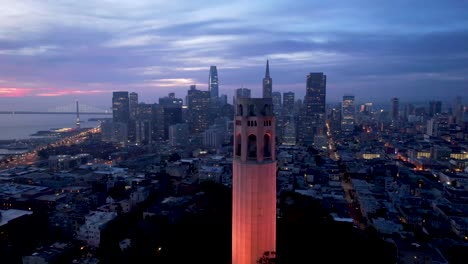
{"x": 213, "y": 82}
{"x": 312, "y": 118}
{"x": 118, "y": 129}
{"x": 120, "y": 107}
{"x": 348, "y": 114}
{"x": 198, "y": 103}
{"x": 288, "y": 103}
{"x": 267, "y": 83}
{"x": 133, "y": 105}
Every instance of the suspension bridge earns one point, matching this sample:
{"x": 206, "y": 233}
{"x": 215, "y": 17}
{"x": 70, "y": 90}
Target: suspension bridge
{"x": 70, "y": 109}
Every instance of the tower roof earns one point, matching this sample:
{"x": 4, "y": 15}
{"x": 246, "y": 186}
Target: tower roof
{"x": 267, "y": 71}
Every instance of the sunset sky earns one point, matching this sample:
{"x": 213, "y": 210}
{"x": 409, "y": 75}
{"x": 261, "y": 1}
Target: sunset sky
{"x": 53, "y": 52}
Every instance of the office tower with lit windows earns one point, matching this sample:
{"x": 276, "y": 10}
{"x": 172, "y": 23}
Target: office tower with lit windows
{"x": 335, "y": 119}
{"x": 288, "y": 119}
{"x": 133, "y": 113}
{"x": 144, "y": 124}
{"x": 171, "y": 110}
{"x": 213, "y": 85}
{"x": 348, "y": 114}
{"x": 312, "y": 116}
{"x": 267, "y": 83}
{"x": 277, "y": 106}
{"x": 120, "y": 107}
{"x": 178, "y": 135}
{"x": 288, "y": 103}
{"x": 253, "y": 181}
{"x": 276, "y": 97}
{"x": 120, "y": 117}
{"x": 133, "y": 105}
{"x": 198, "y": 103}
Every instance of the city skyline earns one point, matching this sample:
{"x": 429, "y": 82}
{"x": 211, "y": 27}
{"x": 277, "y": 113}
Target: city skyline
{"x": 58, "y": 51}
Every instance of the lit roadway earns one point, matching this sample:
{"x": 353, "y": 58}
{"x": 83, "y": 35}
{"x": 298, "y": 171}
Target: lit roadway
{"x": 353, "y": 205}
{"x": 31, "y": 157}
{"x": 331, "y": 144}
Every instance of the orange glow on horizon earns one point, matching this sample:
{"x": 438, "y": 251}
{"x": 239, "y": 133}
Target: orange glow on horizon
{"x": 15, "y": 92}
{"x": 62, "y": 92}
{"x": 44, "y": 92}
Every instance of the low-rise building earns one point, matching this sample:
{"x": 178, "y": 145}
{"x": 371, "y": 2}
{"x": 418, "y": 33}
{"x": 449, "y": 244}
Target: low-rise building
{"x": 95, "y": 222}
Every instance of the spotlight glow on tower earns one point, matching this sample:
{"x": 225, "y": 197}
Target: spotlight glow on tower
{"x": 254, "y": 181}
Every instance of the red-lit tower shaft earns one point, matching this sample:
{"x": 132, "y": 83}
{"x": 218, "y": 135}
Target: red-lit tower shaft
{"x": 254, "y": 181}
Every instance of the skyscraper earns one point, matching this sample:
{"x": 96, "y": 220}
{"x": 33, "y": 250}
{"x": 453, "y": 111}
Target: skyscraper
{"x": 312, "y": 117}
{"x": 198, "y": 103}
{"x": 267, "y": 83}
{"x": 132, "y": 123}
{"x": 133, "y": 105}
{"x": 144, "y": 129}
{"x": 241, "y": 93}
{"x": 253, "y": 181}
{"x": 213, "y": 82}
{"x": 435, "y": 107}
{"x": 347, "y": 114}
{"x": 120, "y": 107}
{"x": 288, "y": 119}
{"x": 276, "y": 97}
{"x": 458, "y": 110}
{"x": 395, "y": 109}
{"x": 288, "y": 103}
{"x": 335, "y": 119}
{"x": 171, "y": 112}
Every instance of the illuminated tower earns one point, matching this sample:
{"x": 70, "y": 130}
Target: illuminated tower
{"x": 267, "y": 83}
{"x": 78, "y": 122}
{"x": 253, "y": 181}
{"x": 213, "y": 82}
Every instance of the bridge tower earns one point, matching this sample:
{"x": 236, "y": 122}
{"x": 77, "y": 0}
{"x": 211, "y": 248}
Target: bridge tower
{"x": 78, "y": 122}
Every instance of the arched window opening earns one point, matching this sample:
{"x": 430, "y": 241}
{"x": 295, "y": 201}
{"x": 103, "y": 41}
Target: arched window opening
{"x": 266, "y": 110}
{"x": 266, "y": 146}
{"x": 251, "y": 110}
{"x": 240, "y": 110}
{"x": 252, "y": 147}
{"x": 238, "y": 145}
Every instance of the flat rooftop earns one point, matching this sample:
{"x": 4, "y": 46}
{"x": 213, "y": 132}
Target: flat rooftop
{"x": 11, "y": 214}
